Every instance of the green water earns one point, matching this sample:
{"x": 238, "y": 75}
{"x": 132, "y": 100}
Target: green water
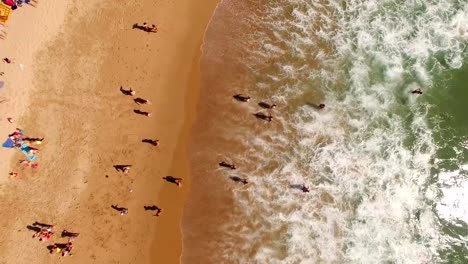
{"x": 448, "y": 101}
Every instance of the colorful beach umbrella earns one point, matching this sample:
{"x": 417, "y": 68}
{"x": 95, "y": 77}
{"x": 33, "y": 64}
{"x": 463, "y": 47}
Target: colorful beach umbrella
{"x": 9, "y": 2}
{"x": 5, "y": 12}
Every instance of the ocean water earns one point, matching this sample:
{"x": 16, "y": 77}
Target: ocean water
{"x": 387, "y": 170}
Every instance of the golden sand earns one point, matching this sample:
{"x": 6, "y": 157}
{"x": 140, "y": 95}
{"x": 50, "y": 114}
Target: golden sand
{"x": 69, "y": 60}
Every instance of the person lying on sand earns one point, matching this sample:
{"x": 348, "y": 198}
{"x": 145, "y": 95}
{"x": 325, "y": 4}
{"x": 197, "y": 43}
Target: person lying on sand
{"x": 43, "y": 234}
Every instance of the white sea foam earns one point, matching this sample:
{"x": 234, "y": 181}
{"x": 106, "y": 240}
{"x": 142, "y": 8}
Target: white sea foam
{"x": 367, "y": 166}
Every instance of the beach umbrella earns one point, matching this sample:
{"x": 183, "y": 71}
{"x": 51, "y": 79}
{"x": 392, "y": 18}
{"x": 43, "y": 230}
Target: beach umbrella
{"x": 5, "y": 12}
{"x": 9, "y": 2}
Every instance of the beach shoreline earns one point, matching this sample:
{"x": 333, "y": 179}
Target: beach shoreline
{"x": 89, "y": 126}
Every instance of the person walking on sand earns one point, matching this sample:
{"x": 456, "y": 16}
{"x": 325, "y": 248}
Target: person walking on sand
{"x": 122, "y": 210}
{"x": 267, "y": 105}
{"x": 129, "y": 92}
{"x": 228, "y": 165}
{"x": 241, "y": 98}
{"x": 123, "y": 168}
{"x": 154, "y": 142}
{"x": 154, "y": 208}
{"x": 148, "y": 114}
{"x": 177, "y": 181}
{"x": 141, "y": 101}
{"x": 7, "y": 60}
{"x": 263, "y": 116}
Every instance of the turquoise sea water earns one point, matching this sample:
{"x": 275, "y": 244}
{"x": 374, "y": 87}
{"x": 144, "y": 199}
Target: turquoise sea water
{"x": 387, "y": 169}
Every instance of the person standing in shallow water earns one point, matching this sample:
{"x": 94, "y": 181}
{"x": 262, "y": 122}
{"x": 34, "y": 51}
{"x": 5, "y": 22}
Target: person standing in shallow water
{"x": 417, "y": 91}
{"x": 227, "y": 165}
{"x": 242, "y": 98}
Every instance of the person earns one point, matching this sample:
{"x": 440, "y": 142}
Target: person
{"x": 227, "y": 165}
{"x": 124, "y": 211}
{"x": 177, "y": 181}
{"x": 321, "y": 106}
{"x": 126, "y": 169}
{"x": 7, "y": 60}
{"x": 263, "y": 116}
{"x": 127, "y": 92}
{"x": 417, "y": 91}
{"x": 142, "y": 112}
{"x": 242, "y": 98}
{"x": 152, "y": 29}
{"x": 67, "y": 250}
{"x": 158, "y": 212}
{"x": 152, "y": 142}
{"x": 244, "y": 181}
{"x": 71, "y": 236}
{"x": 141, "y": 101}
{"x": 123, "y": 168}
{"x": 44, "y": 234}
{"x": 266, "y": 105}
{"x": 304, "y": 188}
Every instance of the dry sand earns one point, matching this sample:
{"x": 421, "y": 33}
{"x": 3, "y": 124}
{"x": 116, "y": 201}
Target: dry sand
{"x": 70, "y": 58}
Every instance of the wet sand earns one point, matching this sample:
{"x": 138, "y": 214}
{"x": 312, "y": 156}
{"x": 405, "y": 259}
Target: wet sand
{"x": 73, "y": 100}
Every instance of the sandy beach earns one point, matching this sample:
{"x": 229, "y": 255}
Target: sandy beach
{"x": 69, "y": 60}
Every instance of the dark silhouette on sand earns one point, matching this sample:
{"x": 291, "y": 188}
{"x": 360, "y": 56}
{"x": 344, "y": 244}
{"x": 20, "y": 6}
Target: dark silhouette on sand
{"x": 238, "y": 179}
{"x": 263, "y": 116}
{"x": 129, "y": 91}
{"x": 267, "y": 105}
{"x": 228, "y": 165}
{"x": 241, "y": 98}
{"x": 177, "y": 181}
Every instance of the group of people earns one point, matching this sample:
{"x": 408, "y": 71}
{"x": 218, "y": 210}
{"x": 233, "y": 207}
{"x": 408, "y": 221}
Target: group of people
{"x": 45, "y": 232}
{"x": 263, "y": 116}
{"x": 154, "y": 142}
{"x": 268, "y": 117}
{"x": 27, "y": 145}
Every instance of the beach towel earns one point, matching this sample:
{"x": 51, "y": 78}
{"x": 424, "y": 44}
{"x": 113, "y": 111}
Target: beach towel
{"x": 8, "y": 143}
{"x": 25, "y": 149}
